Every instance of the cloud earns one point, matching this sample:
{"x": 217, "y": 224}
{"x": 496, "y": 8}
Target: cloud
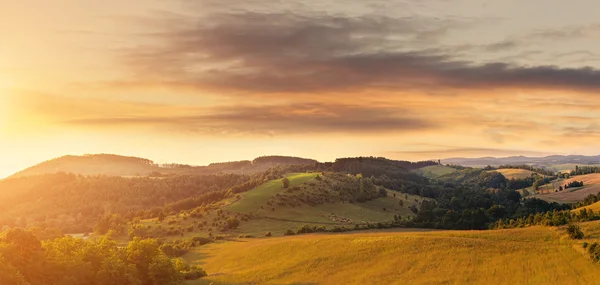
{"x": 284, "y": 52}
{"x": 275, "y": 120}
{"x": 448, "y": 152}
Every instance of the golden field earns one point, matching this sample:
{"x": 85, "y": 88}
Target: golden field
{"x": 536, "y": 255}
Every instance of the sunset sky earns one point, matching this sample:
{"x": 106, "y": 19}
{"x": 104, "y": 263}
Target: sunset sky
{"x": 219, "y": 80}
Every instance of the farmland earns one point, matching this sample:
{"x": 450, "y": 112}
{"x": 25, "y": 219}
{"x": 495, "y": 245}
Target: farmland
{"x": 513, "y": 173}
{"x": 535, "y": 255}
{"x": 591, "y": 184}
{"x": 435, "y": 171}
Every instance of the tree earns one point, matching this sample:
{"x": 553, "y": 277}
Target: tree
{"x": 574, "y": 231}
{"x": 286, "y": 183}
{"x": 232, "y": 223}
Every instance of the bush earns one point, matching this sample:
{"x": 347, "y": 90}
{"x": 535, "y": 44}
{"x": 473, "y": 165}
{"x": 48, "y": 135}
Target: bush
{"x": 194, "y": 273}
{"x": 585, "y": 244}
{"x": 268, "y": 234}
{"x": 574, "y": 231}
{"x": 201, "y": 240}
{"x": 289, "y": 233}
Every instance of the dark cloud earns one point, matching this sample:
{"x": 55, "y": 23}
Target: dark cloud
{"x": 255, "y": 52}
{"x": 280, "y": 119}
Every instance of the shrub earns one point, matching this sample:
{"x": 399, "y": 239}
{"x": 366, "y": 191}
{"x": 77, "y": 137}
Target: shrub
{"x": 585, "y": 244}
{"x": 574, "y": 231}
{"x": 289, "y": 233}
{"x": 268, "y": 234}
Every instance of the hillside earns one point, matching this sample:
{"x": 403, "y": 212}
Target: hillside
{"x": 329, "y": 199}
{"x": 115, "y": 165}
{"x": 325, "y": 200}
{"x": 513, "y": 173}
{"x": 591, "y": 184}
{"x": 434, "y": 171}
{"x": 547, "y": 161}
{"x": 535, "y": 255}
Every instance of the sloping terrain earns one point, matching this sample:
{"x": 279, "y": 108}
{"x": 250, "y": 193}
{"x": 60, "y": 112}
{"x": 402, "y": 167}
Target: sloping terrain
{"x": 514, "y": 173}
{"x": 591, "y": 185}
{"x": 116, "y": 165}
{"x": 535, "y": 255}
{"x": 435, "y": 171}
{"x": 328, "y": 200}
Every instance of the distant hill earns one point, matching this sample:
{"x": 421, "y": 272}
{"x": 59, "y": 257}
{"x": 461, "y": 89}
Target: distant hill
{"x": 547, "y": 161}
{"x": 116, "y": 165}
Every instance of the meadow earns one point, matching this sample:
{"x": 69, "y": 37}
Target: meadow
{"x": 513, "y": 173}
{"x": 591, "y": 185}
{"x": 535, "y": 255}
{"x": 435, "y": 171}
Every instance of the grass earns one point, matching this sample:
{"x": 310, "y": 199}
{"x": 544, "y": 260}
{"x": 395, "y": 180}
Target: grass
{"x": 536, "y": 255}
{"x": 253, "y": 199}
{"x": 566, "y": 167}
{"x": 594, "y": 207}
{"x": 591, "y": 185}
{"x": 435, "y": 171}
{"x": 511, "y": 173}
{"x": 277, "y": 219}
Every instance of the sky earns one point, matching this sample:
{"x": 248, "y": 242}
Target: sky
{"x": 205, "y": 81}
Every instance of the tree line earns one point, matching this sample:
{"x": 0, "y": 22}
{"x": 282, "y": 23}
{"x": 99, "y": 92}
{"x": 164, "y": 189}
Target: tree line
{"x": 25, "y": 259}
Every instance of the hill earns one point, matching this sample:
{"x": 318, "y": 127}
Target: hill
{"x": 116, "y": 165}
{"x": 535, "y": 255}
{"x": 591, "y": 184}
{"x": 513, "y": 173}
{"x": 324, "y": 200}
{"x": 435, "y": 171}
{"x": 328, "y": 199}
{"x": 547, "y": 161}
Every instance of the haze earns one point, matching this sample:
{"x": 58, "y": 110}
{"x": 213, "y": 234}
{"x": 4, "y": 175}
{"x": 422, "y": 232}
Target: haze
{"x": 204, "y": 81}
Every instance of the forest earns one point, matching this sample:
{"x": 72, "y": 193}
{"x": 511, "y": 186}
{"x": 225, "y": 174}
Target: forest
{"x": 32, "y": 257}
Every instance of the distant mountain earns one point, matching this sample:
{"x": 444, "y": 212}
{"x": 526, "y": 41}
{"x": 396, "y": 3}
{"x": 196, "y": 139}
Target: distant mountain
{"x": 546, "y": 161}
{"x": 116, "y": 165}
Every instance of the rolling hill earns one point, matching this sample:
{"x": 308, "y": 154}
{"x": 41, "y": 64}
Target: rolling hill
{"x": 514, "y": 173}
{"x": 435, "y": 171}
{"x": 547, "y": 161}
{"x": 591, "y": 184}
{"x": 326, "y": 200}
{"x": 535, "y": 255}
{"x": 116, "y": 165}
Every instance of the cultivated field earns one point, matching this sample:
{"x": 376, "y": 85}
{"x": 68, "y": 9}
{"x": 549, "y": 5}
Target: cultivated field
{"x": 591, "y": 184}
{"x": 253, "y": 199}
{"x": 511, "y": 173}
{"x": 435, "y": 171}
{"x": 536, "y": 255}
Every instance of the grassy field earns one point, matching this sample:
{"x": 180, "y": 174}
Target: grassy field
{"x": 511, "y": 173}
{"x": 332, "y": 210}
{"x": 591, "y": 184}
{"x": 594, "y": 207}
{"x": 253, "y": 199}
{"x": 566, "y": 167}
{"x": 536, "y": 255}
{"x": 435, "y": 171}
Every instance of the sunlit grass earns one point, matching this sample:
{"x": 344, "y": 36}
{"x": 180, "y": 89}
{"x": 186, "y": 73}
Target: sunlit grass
{"x": 535, "y": 255}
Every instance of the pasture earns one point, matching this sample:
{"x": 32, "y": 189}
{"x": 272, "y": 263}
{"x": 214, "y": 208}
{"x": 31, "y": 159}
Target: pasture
{"x": 536, "y": 255}
{"x": 511, "y": 173}
{"x": 253, "y": 199}
{"x": 591, "y": 185}
{"x": 434, "y": 171}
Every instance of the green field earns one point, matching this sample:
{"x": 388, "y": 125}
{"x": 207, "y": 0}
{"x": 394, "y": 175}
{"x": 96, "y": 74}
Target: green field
{"x": 253, "y": 199}
{"x": 512, "y": 173}
{"x": 336, "y": 211}
{"x": 536, "y": 255}
{"x": 434, "y": 171}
